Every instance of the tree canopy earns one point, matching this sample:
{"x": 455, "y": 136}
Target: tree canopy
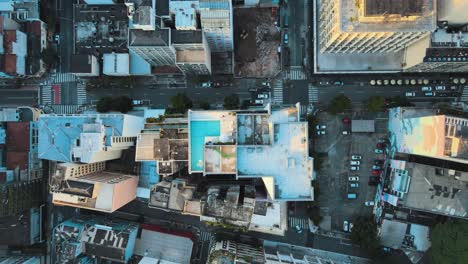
{"x": 49, "y": 56}
{"x": 339, "y": 104}
{"x": 180, "y": 104}
{"x": 375, "y": 104}
{"x": 231, "y": 102}
{"x": 121, "y": 104}
{"x": 449, "y": 243}
{"x": 364, "y": 233}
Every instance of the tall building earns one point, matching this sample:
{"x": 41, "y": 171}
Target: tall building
{"x": 13, "y": 49}
{"x": 86, "y": 138}
{"x": 373, "y": 26}
{"x": 152, "y": 45}
{"x": 88, "y": 186}
{"x": 192, "y": 53}
{"x": 217, "y": 23}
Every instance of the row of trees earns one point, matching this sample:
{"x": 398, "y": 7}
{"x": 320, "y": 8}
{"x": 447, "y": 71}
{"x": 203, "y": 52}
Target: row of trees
{"x": 121, "y": 104}
{"x": 341, "y": 103}
{"x": 180, "y": 103}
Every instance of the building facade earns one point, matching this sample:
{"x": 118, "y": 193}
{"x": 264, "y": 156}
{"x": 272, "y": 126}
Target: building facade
{"x": 217, "y": 23}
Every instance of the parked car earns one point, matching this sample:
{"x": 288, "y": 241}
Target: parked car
{"x": 338, "y": 83}
{"x": 346, "y": 120}
{"x": 266, "y": 84}
{"x": 356, "y": 157}
{"x": 206, "y": 84}
{"x": 345, "y": 226}
{"x": 429, "y": 94}
{"x": 355, "y": 162}
{"x": 379, "y": 151}
{"x": 262, "y": 96}
{"x": 259, "y": 101}
{"x": 320, "y": 126}
{"x": 345, "y": 132}
{"x": 216, "y": 84}
{"x": 350, "y": 227}
{"x": 286, "y": 38}
{"x": 376, "y": 167}
{"x": 137, "y": 102}
{"x": 369, "y": 203}
{"x": 352, "y": 196}
{"x": 57, "y": 38}
{"x": 440, "y": 88}
{"x": 354, "y": 168}
{"x": 320, "y": 132}
{"x": 353, "y": 178}
{"x": 410, "y": 94}
{"x": 298, "y": 229}
{"x": 354, "y": 185}
{"x": 453, "y": 88}
{"x": 426, "y": 88}
{"x": 376, "y": 172}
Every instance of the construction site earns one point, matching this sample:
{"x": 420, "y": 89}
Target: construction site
{"x": 256, "y": 39}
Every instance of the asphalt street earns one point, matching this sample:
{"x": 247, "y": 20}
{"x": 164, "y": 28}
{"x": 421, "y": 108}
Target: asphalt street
{"x": 18, "y": 97}
{"x": 295, "y": 29}
{"x": 65, "y": 46}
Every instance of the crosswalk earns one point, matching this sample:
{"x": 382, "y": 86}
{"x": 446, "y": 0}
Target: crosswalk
{"x": 278, "y": 91}
{"x": 46, "y": 94}
{"x": 296, "y": 73}
{"x": 63, "y": 78}
{"x": 205, "y": 236}
{"x": 313, "y": 94}
{"x": 303, "y": 223}
{"x": 464, "y": 96}
{"x": 64, "y": 109}
{"x": 81, "y": 93}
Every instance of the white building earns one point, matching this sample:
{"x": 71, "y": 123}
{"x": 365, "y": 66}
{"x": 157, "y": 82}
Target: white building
{"x": 217, "y": 23}
{"x": 86, "y": 138}
{"x": 116, "y": 64}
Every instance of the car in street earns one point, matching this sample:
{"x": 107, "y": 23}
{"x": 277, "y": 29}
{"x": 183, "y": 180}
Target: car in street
{"x": 262, "y": 96}
{"x": 137, "y": 102}
{"x": 266, "y": 84}
{"x": 298, "y": 229}
{"x": 345, "y": 132}
{"x": 453, "y": 88}
{"x": 440, "y": 88}
{"x": 206, "y": 84}
{"x": 253, "y": 90}
{"x": 369, "y": 203}
{"x": 286, "y": 38}
{"x": 351, "y": 227}
{"x": 429, "y": 94}
{"x": 345, "y": 226}
{"x": 321, "y": 132}
{"x": 426, "y": 88}
{"x": 355, "y": 162}
{"x": 57, "y": 38}
{"x": 216, "y": 84}
{"x": 338, "y": 83}
{"x": 379, "y": 151}
{"x": 354, "y": 168}
{"x": 354, "y": 185}
{"x": 380, "y": 145}
{"x": 410, "y": 94}
{"x": 259, "y": 101}
{"x": 356, "y": 157}
{"x": 376, "y": 167}
{"x": 353, "y": 178}
{"x": 346, "y": 120}
{"x": 320, "y": 126}
{"x": 352, "y": 196}
{"x": 376, "y": 172}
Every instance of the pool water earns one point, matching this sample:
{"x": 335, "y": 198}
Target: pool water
{"x": 198, "y": 131}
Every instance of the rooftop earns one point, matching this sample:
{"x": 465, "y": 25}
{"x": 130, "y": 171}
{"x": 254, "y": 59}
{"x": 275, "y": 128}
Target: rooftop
{"x": 422, "y": 132}
{"x": 436, "y": 190}
{"x": 116, "y": 64}
{"x": 393, "y": 7}
{"x": 393, "y": 233}
{"x": 81, "y": 63}
{"x": 100, "y": 28}
{"x": 191, "y": 56}
{"x": 158, "y": 37}
{"x": 186, "y": 36}
{"x": 452, "y": 11}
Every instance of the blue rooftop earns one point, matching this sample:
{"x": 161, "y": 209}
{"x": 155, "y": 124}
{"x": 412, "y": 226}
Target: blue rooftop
{"x": 58, "y": 134}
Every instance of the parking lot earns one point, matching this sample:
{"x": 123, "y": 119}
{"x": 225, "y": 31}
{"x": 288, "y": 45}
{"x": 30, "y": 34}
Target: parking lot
{"x": 336, "y": 150}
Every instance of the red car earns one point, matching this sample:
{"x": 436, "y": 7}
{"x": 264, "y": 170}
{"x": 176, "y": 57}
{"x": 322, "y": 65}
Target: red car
{"x": 380, "y": 145}
{"x": 346, "y": 120}
{"x": 376, "y": 172}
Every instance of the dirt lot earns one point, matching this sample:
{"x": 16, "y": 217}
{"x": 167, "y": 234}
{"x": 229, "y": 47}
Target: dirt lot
{"x": 256, "y": 41}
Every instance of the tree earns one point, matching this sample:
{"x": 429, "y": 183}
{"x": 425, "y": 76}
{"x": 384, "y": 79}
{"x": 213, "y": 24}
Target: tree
{"x": 314, "y": 214}
{"x": 104, "y": 105}
{"x": 204, "y": 105}
{"x": 364, "y": 234}
{"x": 49, "y": 56}
{"x": 339, "y": 104}
{"x": 231, "y": 102}
{"x": 375, "y": 104}
{"x": 180, "y": 104}
{"x": 449, "y": 243}
{"x": 245, "y": 104}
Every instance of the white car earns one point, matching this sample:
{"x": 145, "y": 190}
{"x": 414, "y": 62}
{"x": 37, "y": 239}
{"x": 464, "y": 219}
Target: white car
{"x": 320, "y": 126}
{"x": 321, "y": 132}
{"x": 369, "y": 203}
{"x": 263, "y": 96}
{"x": 354, "y": 168}
{"x": 355, "y": 162}
{"x": 259, "y": 102}
{"x": 410, "y": 94}
{"x": 426, "y": 88}
{"x": 350, "y": 227}
{"x": 354, "y": 185}
{"x": 429, "y": 94}
{"x": 379, "y": 151}
{"x": 345, "y": 132}
{"x": 375, "y": 167}
{"x": 267, "y": 84}
{"x": 356, "y": 157}
{"x": 345, "y": 226}
{"x": 206, "y": 84}
{"x": 353, "y": 178}
{"x": 440, "y": 88}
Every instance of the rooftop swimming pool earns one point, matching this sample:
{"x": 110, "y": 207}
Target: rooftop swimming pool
{"x": 198, "y": 131}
